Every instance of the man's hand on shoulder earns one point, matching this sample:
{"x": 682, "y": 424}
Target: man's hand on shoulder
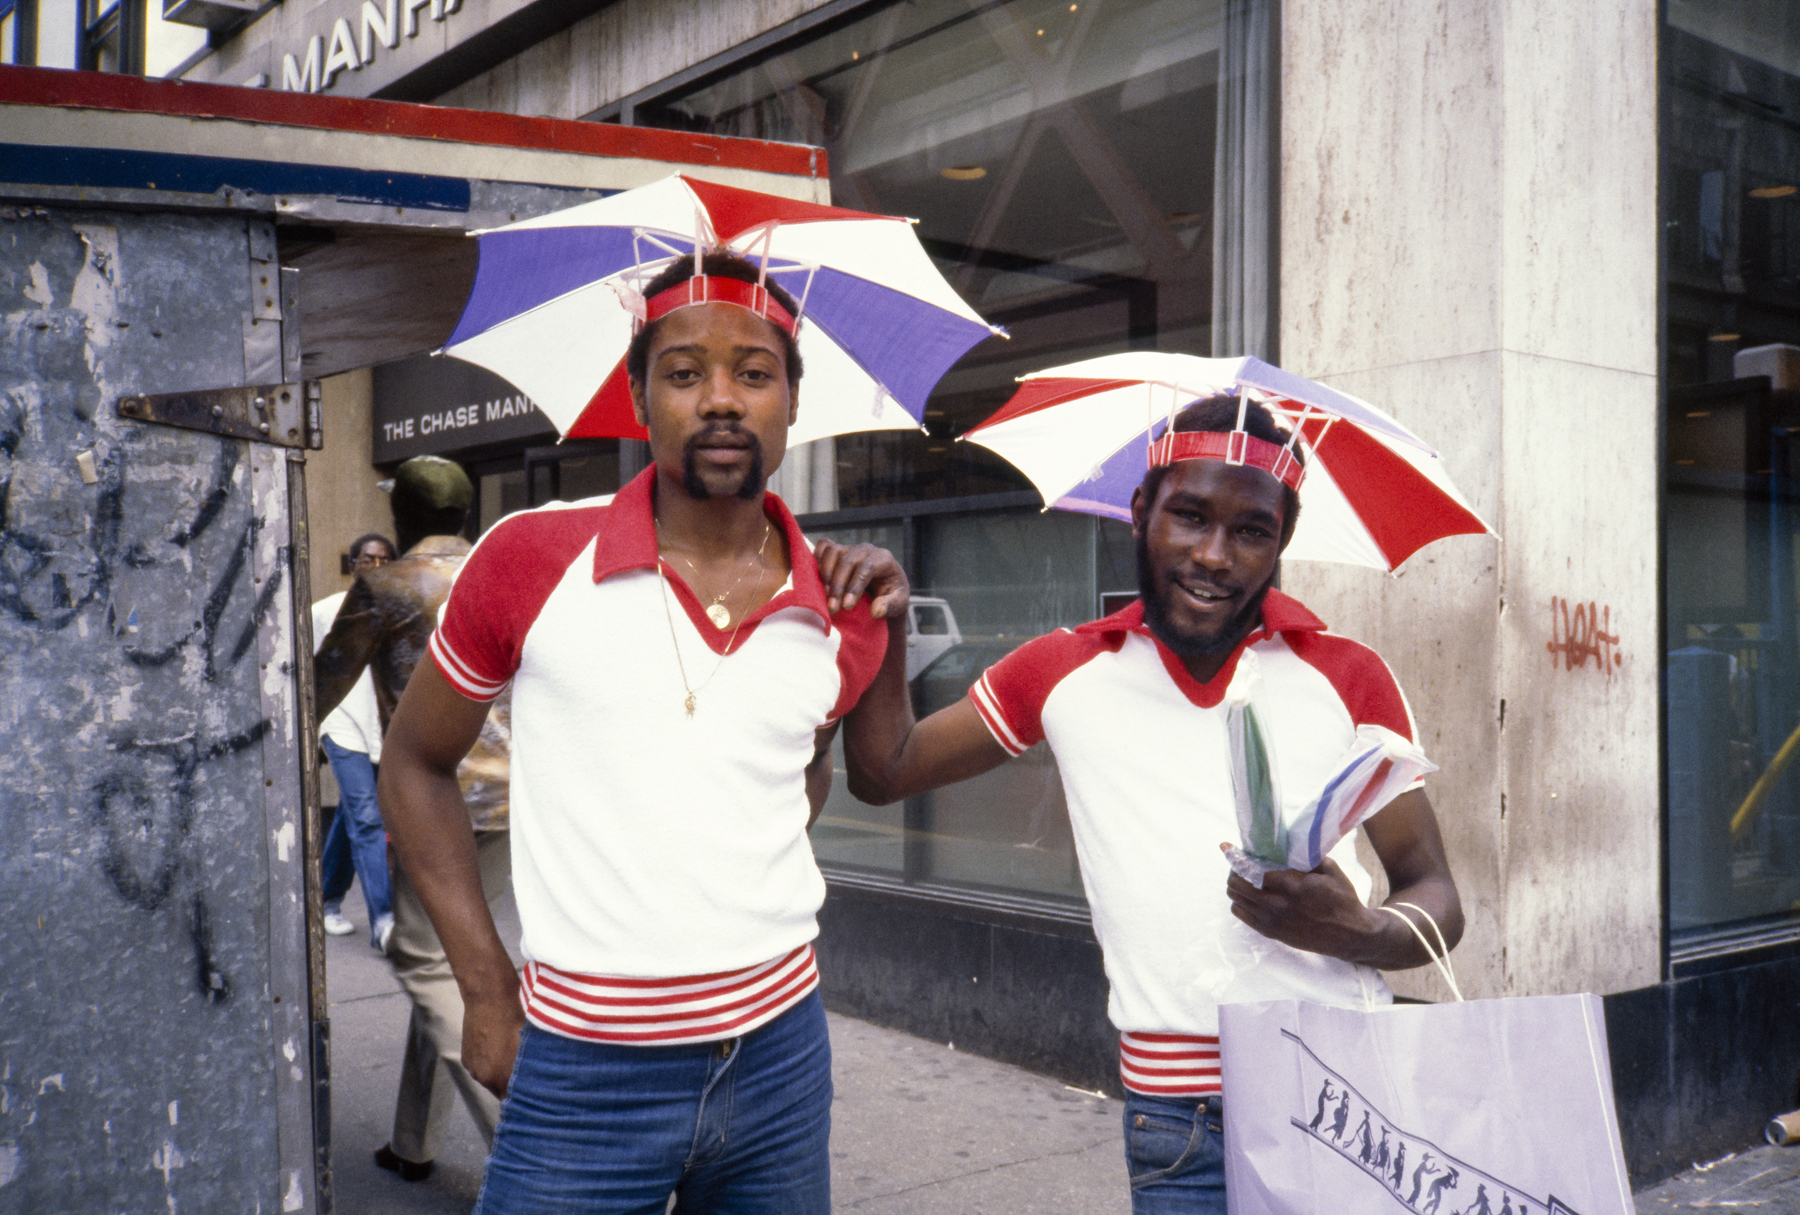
{"x": 491, "y": 1040}
{"x": 852, "y": 571}
{"x": 1318, "y": 911}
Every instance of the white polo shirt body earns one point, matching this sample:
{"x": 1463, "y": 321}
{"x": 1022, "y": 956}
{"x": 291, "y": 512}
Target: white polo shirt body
{"x": 666, "y": 887}
{"x": 1143, "y": 751}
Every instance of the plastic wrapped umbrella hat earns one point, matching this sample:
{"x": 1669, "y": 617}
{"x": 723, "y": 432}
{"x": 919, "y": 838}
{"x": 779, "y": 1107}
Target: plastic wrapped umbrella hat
{"x": 1373, "y": 492}
{"x": 555, "y": 300}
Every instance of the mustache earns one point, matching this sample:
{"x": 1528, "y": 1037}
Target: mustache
{"x": 715, "y": 434}
{"x": 722, "y": 434}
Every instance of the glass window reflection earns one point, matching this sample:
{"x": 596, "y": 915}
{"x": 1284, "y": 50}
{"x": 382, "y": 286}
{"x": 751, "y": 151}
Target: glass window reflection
{"x": 1060, "y": 161}
{"x": 1731, "y": 342}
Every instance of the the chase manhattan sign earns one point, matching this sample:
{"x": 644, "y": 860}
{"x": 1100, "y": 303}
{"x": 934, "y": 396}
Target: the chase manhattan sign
{"x": 428, "y": 406}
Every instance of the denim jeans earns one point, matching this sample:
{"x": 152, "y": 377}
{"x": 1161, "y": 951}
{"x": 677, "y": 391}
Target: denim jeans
{"x": 741, "y": 1126}
{"x": 1175, "y": 1150}
{"x": 356, "y": 839}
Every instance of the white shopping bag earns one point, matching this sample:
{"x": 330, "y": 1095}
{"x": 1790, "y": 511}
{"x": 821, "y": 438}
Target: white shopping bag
{"x": 1487, "y": 1107}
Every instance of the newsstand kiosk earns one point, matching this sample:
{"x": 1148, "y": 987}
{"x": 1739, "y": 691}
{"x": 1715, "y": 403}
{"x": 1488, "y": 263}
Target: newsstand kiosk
{"x": 179, "y": 263}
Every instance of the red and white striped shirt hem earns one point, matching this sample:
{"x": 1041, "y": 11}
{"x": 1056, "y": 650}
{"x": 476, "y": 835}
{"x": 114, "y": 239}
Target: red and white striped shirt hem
{"x": 666, "y": 1012}
{"x": 1170, "y": 1065}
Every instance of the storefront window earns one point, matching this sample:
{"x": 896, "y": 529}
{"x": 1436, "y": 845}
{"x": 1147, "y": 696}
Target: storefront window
{"x": 1731, "y": 342}
{"x": 1061, "y": 162}
{"x": 521, "y": 480}
{"x": 985, "y": 583}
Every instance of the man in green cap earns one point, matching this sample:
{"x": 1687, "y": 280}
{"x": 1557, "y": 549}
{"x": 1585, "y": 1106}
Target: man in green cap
{"x": 384, "y": 625}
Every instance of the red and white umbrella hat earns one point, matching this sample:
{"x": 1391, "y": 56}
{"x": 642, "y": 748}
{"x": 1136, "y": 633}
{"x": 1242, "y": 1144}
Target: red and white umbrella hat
{"x": 557, "y": 298}
{"x": 1372, "y": 493}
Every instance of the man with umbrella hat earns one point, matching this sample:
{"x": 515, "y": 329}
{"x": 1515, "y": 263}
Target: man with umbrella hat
{"x": 1136, "y": 709}
{"x": 678, "y": 665}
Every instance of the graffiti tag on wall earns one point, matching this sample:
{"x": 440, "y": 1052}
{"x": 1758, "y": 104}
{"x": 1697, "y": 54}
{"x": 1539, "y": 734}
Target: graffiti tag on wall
{"x": 1580, "y": 632}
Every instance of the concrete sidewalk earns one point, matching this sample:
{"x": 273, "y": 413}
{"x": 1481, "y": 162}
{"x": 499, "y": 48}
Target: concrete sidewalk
{"x": 917, "y": 1128}
{"x": 1764, "y": 1179}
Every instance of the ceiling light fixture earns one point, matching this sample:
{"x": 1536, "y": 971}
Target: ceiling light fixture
{"x": 963, "y": 172}
{"x": 1774, "y": 191}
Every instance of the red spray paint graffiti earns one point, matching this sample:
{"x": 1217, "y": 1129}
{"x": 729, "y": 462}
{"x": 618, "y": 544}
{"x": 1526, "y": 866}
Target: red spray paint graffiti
{"x": 1577, "y": 637}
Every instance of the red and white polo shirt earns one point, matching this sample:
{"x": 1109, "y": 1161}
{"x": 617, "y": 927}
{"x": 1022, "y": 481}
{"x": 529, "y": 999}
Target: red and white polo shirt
{"x": 665, "y": 884}
{"x": 1142, "y": 747}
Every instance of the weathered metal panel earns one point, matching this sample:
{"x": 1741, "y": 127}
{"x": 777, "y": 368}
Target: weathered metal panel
{"x": 155, "y": 1046}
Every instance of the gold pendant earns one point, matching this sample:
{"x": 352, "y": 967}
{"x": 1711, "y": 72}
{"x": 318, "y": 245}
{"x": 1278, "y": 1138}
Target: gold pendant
{"x": 719, "y": 614}
{"x": 689, "y": 704}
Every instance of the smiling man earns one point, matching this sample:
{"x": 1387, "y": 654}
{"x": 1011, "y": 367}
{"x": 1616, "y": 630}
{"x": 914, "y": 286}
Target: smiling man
{"x": 1133, "y": 708}
{"x": 677, "y": 670}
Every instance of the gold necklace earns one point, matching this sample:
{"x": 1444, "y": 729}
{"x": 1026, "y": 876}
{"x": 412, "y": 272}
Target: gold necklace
{"x": 716, "y": 611}
{"x": 669, "y": 612}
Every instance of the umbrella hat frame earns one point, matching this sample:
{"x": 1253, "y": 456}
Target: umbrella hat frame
{"x": 1374, "y": 493}
{"x": 556, "y": 299}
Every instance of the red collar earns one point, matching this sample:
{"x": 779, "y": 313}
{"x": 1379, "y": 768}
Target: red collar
{"x": 1280, "y": 614}
{"x": 626, "y": 540}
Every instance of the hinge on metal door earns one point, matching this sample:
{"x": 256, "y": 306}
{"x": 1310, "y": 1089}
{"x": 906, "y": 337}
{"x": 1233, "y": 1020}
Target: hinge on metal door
{"x": 288, "y": 415}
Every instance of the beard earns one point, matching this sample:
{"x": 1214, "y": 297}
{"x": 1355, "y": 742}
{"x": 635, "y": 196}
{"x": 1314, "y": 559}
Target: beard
{"x": 1184, "y": 644}
{"x": 754, "y": 480}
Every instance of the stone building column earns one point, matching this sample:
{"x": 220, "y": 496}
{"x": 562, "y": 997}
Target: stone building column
{"x": 1469, "y": 242}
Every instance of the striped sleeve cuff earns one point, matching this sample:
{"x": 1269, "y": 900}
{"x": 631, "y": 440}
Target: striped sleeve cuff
{"x": 989, "y": 709}
{"x": 458, "y": 672}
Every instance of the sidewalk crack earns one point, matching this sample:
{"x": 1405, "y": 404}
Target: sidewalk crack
{"x": 1008, "y": 1164}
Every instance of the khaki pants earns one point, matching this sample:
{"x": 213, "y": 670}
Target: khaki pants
{"x": 432, "y": 1071}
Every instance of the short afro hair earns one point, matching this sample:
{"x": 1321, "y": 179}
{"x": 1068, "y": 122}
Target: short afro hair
{"x": 356, "y": 545}
{"x": 1219, "y": 414}
{"x": 717, "y": 264}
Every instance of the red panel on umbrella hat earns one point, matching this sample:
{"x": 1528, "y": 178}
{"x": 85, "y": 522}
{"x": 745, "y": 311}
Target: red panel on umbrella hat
{"x": 734, "y": 211}
{"x": 1402, "y": 508}
{"x": 608, "y": 414}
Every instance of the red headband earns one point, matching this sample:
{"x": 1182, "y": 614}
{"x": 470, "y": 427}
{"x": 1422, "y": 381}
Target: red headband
{"x": 1233, "y": 447}
{"x": 714, "y": 289}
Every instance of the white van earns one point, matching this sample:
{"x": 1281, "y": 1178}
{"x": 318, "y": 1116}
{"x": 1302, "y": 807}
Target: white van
{"x": 930, "y": 630}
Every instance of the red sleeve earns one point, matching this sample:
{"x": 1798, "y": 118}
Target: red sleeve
{"x": 862, "y": 644}
{"x": 1010, "y": 696}
{"x": 499, "y": 592}
{"x": 1363, "y": 682}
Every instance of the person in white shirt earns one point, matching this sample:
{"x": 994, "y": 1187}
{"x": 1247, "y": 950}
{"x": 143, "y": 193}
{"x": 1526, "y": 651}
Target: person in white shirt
{"x": 356, "y": 845}
{"x": 1134, "y": 708}
{"x": 678, "y": 665}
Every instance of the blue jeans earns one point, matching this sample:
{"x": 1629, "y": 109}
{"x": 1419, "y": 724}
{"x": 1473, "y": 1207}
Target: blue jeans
{"x": 741, "y": 1126}
{"x": 357, "y": 838}
{"x": 1175, "y": 1150}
